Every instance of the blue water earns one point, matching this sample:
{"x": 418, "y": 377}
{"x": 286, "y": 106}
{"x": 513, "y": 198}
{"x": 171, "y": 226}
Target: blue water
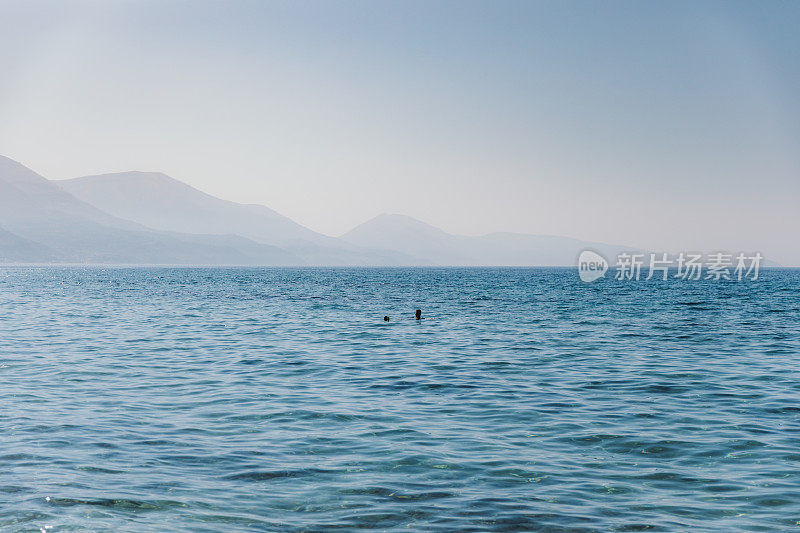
{"x": 278, "y": 399}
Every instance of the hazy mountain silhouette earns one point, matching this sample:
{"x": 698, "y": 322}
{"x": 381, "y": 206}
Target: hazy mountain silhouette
{"x": 160, "y": 202}
{"x": 42, "y": 222}
{"x": 418, "y": 239}
{"x": 150, "y": 218}
{"x": 14, "y": 249}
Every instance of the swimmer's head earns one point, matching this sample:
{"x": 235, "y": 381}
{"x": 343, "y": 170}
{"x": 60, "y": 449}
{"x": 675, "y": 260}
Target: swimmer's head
{"x": 418, "y": 314}
{"x": 386, "y": 319}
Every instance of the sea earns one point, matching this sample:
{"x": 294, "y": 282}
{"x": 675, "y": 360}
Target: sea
{"x": 279, "y": 399}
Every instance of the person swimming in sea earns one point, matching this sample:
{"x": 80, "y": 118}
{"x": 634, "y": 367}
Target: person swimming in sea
{"x": 417, "y": 316}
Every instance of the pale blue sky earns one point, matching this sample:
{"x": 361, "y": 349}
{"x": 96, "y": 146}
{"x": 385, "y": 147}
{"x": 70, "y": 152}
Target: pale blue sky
{"x": 672, "y": 125}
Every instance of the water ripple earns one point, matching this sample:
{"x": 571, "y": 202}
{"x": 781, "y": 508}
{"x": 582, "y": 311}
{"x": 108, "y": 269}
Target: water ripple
{"x": 278, "y": 399}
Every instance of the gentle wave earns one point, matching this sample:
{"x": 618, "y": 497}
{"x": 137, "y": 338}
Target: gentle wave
{"x": 153, "y": 399}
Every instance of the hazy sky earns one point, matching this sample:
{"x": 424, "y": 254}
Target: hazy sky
{"x": 665, "y": 125}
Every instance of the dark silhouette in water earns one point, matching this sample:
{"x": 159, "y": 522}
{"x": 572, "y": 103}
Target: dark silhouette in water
{"x": 418, "y": 314}
{"x": 386, "y": 319}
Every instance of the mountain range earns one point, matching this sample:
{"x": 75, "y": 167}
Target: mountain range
{"x": 151, "y": 218}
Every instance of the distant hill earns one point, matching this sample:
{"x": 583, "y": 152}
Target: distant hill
{"x": 160, "y": 202}
{"x": 15, "y": 249}
{"x": 421, "y": 240}
{"x": 42, "y": 222}
{"x": 151, "y": 218}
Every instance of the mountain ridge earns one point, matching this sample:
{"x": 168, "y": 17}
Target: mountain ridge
{"x": 415, "y": 237}
{"x": 157, "y": 200}
{"x": 150, "y": 217}
{"x": 43, "y": 222}
{"x": 161, "y": 202}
